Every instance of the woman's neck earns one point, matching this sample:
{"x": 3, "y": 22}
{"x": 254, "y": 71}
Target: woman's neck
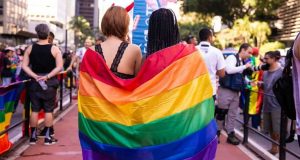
{"x": 113, "y": 38}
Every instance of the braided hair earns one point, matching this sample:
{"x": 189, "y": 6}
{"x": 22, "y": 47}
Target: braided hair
{"x": 163, "y": 30}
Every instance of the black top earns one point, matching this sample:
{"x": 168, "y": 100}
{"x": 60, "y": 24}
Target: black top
{"x": 6, "y": 72}
{"x": 41, "y": 58}
{"x": 117, "y": 60}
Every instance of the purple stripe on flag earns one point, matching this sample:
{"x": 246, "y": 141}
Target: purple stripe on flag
{"x": 208, "y": 153}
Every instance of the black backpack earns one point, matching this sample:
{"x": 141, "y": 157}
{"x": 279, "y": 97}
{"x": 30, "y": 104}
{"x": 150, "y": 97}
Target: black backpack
{"x": 283, "y": 87}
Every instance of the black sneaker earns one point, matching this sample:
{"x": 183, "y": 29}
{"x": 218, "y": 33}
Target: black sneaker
{"x": 43, "y": 133}
{"x": 290, "y": 139}
{"x": 232, "y": 139}
{"x": 32, "y": 140}
{"x": 50, "y": 141}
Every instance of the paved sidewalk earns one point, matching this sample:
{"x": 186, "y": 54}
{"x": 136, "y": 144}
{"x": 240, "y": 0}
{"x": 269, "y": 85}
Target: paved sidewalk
{"x": 68, "y": 147}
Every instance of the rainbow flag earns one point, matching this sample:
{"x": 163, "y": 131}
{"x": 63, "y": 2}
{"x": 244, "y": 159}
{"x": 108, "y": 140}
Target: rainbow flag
{"x": 9, "y": 97}
{"x": 165, "y": 112}
{"x": 256, "y": 98}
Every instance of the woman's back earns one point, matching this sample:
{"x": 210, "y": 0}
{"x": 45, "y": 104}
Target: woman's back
{"x": 122, "y": 58}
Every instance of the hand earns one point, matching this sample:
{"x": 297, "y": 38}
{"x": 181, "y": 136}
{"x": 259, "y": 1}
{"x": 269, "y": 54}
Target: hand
{"x": 69, "y": 69}
{"x": 248, "y": 65}
{"x": 43, "y": 78}
{"x": 260, "y": 83}
{"x": 36, "y": 77}
{"x": 253, "y": 84}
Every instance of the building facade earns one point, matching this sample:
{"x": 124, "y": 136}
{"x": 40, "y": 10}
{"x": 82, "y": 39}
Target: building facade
{"x": 56, "y": 14}
{"x": 13, "y": 22}
{"x": 89, "y": 9}
{"x": 289, "y": 21}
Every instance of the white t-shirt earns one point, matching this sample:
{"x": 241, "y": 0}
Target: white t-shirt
{"x": 214, "y": 61}
{"x": 80, "y": 53}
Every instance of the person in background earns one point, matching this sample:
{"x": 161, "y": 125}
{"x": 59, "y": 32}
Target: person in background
{"x": 77, "y": 58}
{"x": 46, "y": 62}
{"x": 213, "y": 58}
{"x": 100, "y": 39}
{"x": 271, "y": 106}
{"x": 296, "y": 82}
{"x": 6, "y": 73}
{"x": 229, "y": 99}
{"x": 191, "y": 40}
{"x": 51, "y": 37}
{"x": 14, "y": 63}
{"x": 255, "y": 95}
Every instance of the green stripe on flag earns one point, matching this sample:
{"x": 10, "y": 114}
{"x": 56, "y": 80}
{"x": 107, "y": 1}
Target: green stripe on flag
{"x": 157, "y": 132}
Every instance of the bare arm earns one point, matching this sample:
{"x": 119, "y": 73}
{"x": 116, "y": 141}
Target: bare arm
{"x": 138, "y": 61}
{"x": 59, "y": 61}
{"x": 73, "y": 60}
{"x": 25, "y": 64}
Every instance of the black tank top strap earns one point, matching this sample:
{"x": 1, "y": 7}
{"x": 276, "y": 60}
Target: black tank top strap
{"x": 98, "y": 49}
{"x": 118, "y": 57}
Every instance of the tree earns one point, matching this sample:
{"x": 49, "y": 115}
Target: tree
{"x": 260, "y": 31}
{"x": 81, "y": 28}
{"x": 231, "y": 10}
{"x": 191, "y": 23}
{"x": 245, "y": 31}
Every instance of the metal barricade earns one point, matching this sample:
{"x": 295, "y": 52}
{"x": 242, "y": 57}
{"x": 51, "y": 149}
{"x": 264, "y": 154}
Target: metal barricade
{"x": 283, "y": 125}
{"x": 25, "y": 120}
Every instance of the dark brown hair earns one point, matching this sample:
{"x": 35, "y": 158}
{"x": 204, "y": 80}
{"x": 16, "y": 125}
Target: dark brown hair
{"x": 274, "y": 54}
{"x": 115, "y": 22}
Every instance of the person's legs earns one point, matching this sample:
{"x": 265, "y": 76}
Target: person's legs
{"x": 222, "y": 108}
{"x": 231, "y": 118}
{"x": 49, "y": 102}
{"x": 292, "y": 132}
{"x": 275, "y": 130}
{"x": 255, "y": 120}
{"x": 35, "y": 108}
{"x": 33, "y": 126}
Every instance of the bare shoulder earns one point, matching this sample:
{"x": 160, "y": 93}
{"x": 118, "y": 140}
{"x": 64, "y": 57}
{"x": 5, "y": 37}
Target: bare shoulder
{"x": 134, "y": 48}
{"x": 28, "y": 50}
{"x": 55, "y": 51}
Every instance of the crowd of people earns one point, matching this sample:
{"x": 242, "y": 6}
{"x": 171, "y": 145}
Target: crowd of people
{"x": 228, "y": 72}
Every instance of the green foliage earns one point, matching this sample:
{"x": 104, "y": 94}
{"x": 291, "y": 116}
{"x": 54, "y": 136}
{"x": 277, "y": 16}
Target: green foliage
{"x": 82, "y": 29}
{"x": 191, "y": 23}
{"x": 245, "y": 31}
{"x": 231, "y": 10}
{"x": 271, "y": 46}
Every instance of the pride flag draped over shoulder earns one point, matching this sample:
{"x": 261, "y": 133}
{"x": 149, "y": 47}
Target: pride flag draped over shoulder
{"x": 166, "y": 112}
{"x": 9, "y": 97}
